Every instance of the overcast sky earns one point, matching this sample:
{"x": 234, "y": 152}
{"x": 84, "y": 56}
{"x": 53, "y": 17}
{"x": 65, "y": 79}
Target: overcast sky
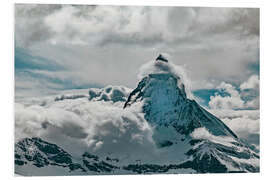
{"x": 61, "y": 47}
{"x": 64, "y": 47}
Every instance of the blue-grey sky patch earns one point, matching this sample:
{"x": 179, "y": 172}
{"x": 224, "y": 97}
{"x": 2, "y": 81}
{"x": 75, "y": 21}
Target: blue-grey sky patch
{"x": 25, "y": 60}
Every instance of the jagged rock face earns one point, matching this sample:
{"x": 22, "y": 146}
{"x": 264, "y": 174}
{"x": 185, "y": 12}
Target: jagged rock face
{"x": 165, "y": 103}
{"x": 204, "y": 157}
{"x": 212, "y": 157}
{"x": 160, "y": 91}
{"x": 40, "y": 153}
{"x": 35, "y": 152}
{"x": 93, "y": 163}
{"x": 161, "y": 58}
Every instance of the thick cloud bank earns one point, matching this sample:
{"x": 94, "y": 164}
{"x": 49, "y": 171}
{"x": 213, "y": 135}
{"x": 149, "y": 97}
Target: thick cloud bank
{"x": 245, "y": 97}
{"x": 81, "y": 125}
{"x": 231, "y": 101}
{"x": 245, "y": 123}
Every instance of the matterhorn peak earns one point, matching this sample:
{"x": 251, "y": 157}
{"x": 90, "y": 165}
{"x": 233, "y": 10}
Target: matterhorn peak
{"x": 160, "y": 130}
{"x": 162, "y": 95}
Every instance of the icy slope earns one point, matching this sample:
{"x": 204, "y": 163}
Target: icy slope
{"x": 165, "y": 103}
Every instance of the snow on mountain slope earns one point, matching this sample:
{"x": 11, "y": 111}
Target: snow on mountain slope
{"x": 164, "y": 103}
{"x": 156, "y": 128}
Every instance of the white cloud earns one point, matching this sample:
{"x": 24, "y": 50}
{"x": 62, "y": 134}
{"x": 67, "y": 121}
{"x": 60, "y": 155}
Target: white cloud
{"x": 35, "y": 120}
{"x": 233, "y": 101}
{"x": 251, "y": 88}
{"x": 98, "y": 44}
{"x": 203, "y": 133}
{"x": 245, "y": 123}
{"x": 80, "y": 125}
{"x": 252, "y": 83}
{"x": 68, "y": 23}
{"x": 247, "y": 97}
{"x": 255, "y": 103}
{"x": 219, "y": 102}
{"x": 229, "y": 89}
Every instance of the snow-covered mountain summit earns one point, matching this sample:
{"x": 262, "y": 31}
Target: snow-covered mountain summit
{"x": 163, "y": 100}
{"x": 155, "y": 128}
{"x": 165, "y": 103}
